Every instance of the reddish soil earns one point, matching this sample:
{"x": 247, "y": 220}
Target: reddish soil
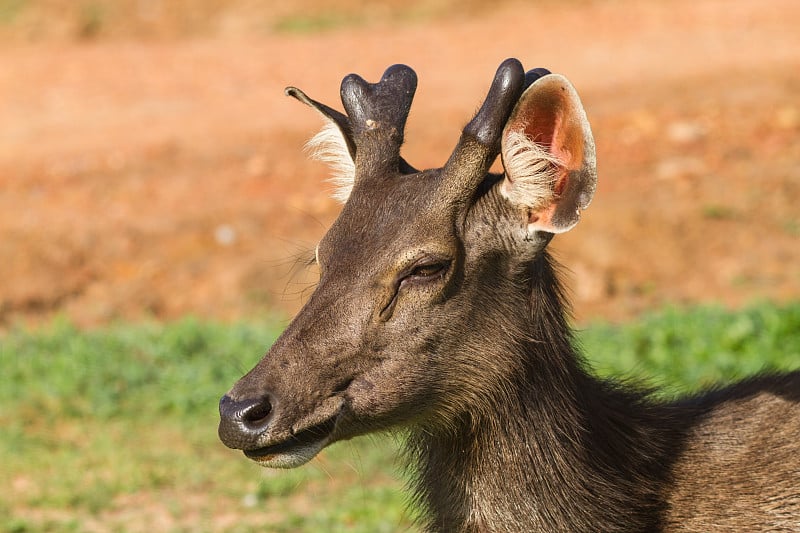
{"x": 163, "y": 176}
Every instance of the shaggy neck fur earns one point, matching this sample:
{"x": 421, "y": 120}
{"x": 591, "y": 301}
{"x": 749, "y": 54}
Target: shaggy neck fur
{"x": 563, "y": 451}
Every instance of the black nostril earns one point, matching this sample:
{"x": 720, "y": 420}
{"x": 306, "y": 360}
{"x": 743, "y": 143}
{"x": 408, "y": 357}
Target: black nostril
{"x": 251, "y": 414}
{"x": 258, "y": 414}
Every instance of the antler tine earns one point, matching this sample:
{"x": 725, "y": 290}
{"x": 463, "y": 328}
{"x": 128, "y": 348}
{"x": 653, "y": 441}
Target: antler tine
{"x": 479, "y": 144}
{"x": 503, "y": 95}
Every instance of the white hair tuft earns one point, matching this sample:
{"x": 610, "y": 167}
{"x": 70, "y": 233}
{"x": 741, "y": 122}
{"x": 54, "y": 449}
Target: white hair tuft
{"x": 531, "y": 169}
{"x": 330, "y": 147}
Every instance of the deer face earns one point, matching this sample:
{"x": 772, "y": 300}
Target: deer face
{"x": 419, "y": 269}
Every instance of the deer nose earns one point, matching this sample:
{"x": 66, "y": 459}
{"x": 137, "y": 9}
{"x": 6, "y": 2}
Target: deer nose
{"x": 241, "y": 422}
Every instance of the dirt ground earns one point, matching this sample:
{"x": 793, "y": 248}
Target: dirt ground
{"x": 150, "y": 165}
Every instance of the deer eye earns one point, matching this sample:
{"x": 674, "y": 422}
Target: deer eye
{"x": 428, "y": 270}
{"x": 423, "y": 271}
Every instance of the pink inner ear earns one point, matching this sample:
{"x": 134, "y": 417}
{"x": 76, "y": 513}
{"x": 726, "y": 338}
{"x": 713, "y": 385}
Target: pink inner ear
{"x": 543, "y": 218}
{"x": 546, "y": 126}
{"x": 542, "y": 126}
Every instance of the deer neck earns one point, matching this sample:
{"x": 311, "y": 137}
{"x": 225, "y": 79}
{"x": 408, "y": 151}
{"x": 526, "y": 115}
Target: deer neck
{"x": 558, "y": 450}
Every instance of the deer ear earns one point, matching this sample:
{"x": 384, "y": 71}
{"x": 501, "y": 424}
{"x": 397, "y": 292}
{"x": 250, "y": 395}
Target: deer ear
{"x": 332, "y": 145}
{"x": 549, "y": 156}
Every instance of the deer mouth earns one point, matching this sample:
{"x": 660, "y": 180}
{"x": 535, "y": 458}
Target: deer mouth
{"x": 297, "y": 449}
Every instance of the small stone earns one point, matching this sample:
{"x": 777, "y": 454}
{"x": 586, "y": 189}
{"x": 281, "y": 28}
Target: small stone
{"x": 685, "y": 132}
{"x": 250, "y": 500}
{"x": 225, "y": 235}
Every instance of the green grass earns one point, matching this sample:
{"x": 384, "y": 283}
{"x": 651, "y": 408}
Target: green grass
{"x": 681, "y": 351}
{"x": 115, "y": 429}
{"x": 98, "y": 423}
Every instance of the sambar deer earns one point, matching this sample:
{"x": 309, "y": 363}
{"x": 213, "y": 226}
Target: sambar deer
{"x": 438, "y": 310}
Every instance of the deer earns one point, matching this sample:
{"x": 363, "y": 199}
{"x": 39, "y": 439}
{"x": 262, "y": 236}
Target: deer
{"x": 439, "y": 313}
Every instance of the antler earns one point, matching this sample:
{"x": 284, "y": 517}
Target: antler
{"x": 378, "y": 114}
{"x": 479, "y": 144}
{"x": 375, "y": 121}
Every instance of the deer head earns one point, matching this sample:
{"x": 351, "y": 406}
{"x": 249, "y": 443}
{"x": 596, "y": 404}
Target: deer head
{"x": 424, "y": 276}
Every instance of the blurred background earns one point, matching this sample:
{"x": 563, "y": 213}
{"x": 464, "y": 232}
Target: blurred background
{"x": 150, "y": 165}
{"x": 151, "y": 169}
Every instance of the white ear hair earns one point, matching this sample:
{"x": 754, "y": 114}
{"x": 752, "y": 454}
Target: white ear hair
{"x": 330, "y": 147}
{"x": 531, "y": 168}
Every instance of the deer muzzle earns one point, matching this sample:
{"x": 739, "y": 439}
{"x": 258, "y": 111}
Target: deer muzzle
{"x": 253, "y": 426}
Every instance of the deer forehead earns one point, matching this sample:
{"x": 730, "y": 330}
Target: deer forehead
{"x": 390, "y": 219}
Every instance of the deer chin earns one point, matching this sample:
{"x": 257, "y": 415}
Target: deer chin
{"x": 293, "y": 457}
